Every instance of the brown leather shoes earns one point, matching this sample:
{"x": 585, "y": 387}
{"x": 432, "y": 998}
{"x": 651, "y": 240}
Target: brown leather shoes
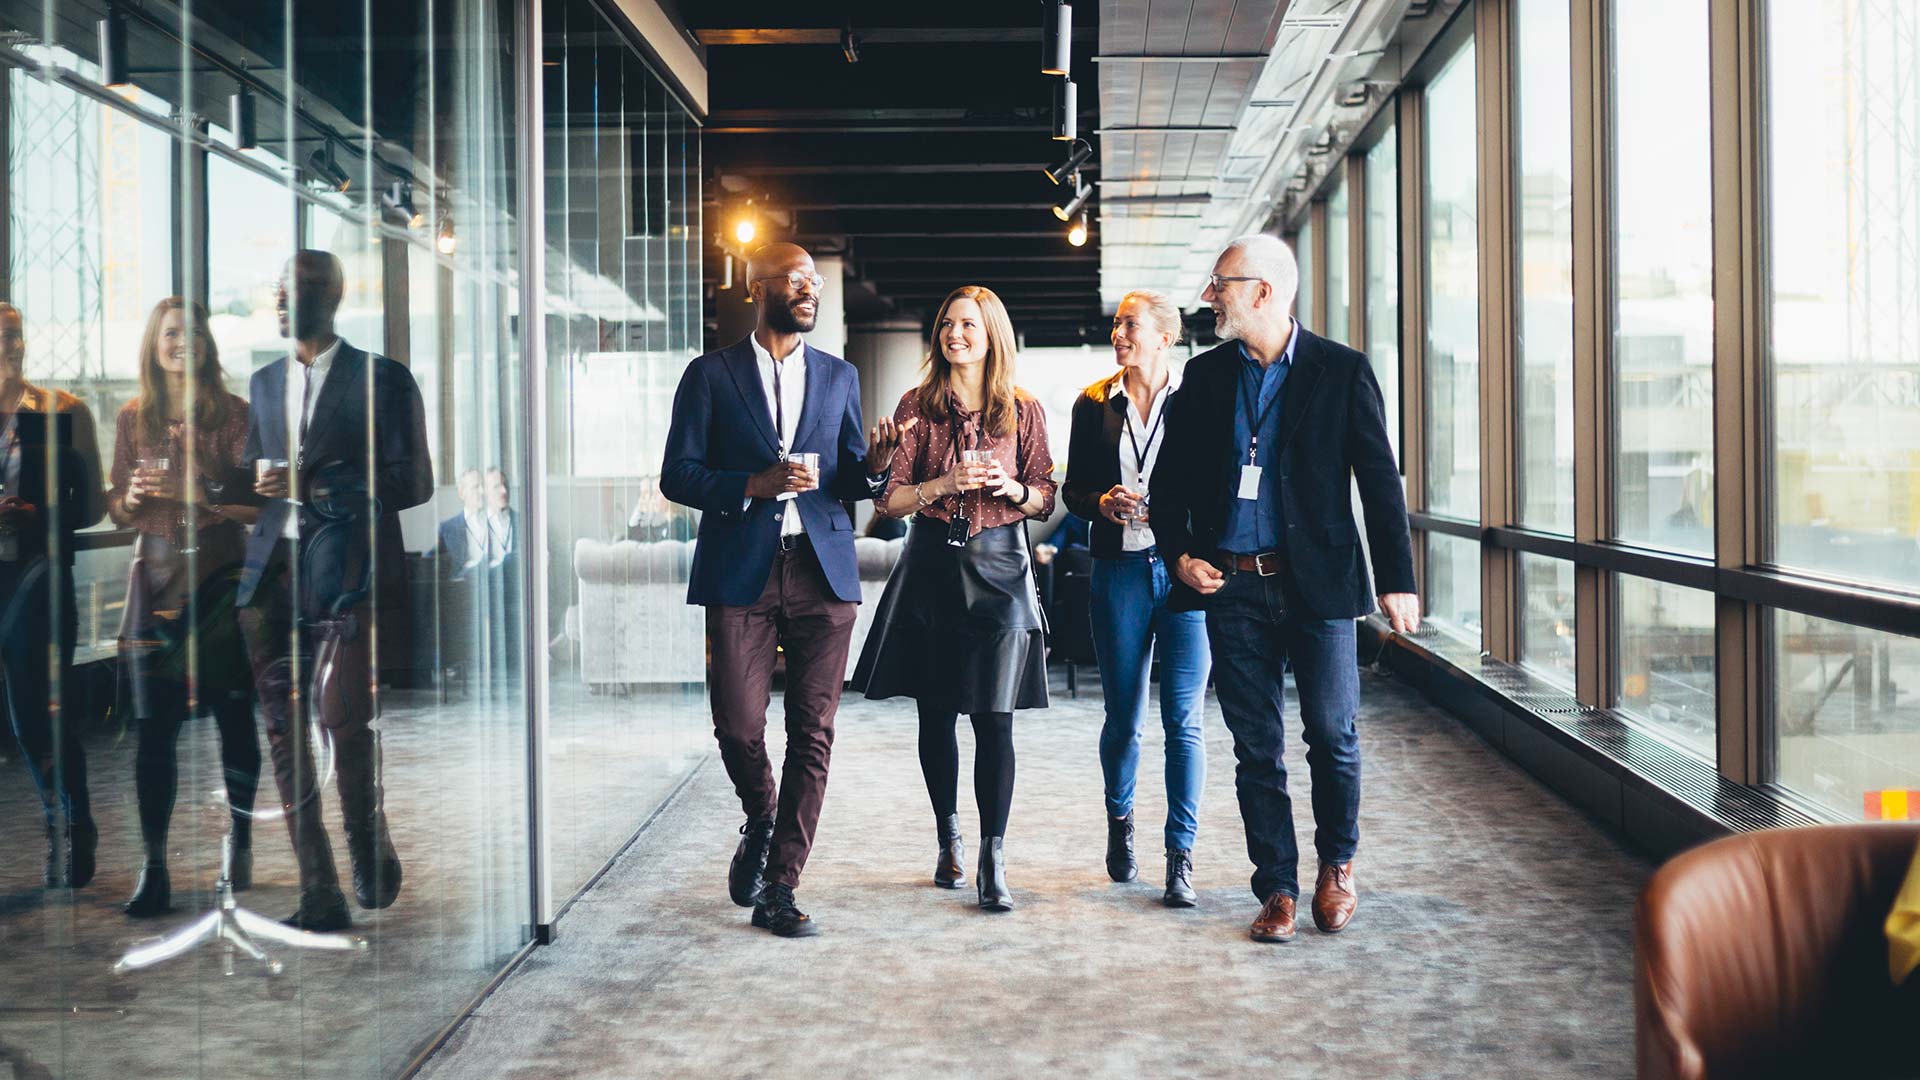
{"x": 1334, "y": 897}
{"x": 1275, "y": 921}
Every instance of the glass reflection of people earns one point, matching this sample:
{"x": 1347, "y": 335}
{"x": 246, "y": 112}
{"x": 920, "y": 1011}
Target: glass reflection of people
{"x": 502, "y": 522}
{"x": 959, "y": 627}
{"x": 49, "y": 465}
{"x": 179, "y": 638}
{"x": 301, "y": 590}
{"x": 655, "y": 517}
{"x": 1117, "y": 429}
{"x": 463, "y": 536}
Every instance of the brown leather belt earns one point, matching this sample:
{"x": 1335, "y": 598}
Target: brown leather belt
{"x": 1266, "y": 564}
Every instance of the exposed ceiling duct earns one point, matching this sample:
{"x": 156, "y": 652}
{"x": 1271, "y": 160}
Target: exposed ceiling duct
{"x": 1209, "y": 109}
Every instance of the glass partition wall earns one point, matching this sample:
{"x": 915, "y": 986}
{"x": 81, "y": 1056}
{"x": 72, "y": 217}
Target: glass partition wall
{"x": 1659, "y": 434}
{"x": 266, "y": 466}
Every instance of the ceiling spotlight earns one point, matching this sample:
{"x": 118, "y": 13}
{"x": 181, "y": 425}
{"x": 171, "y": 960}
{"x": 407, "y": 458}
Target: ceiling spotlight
{"x": 849, "y": 45}
{"x": 113, "y": 49}
{"x": 744, "y": 230}
{"x": 322, "y": 165}
{"x": 1082, "y": 191}
{"x": 399, "y": 198}
{"x": 1066, "y": 111}
{"x": 726, "y": 272}
{"x": 241, "y": 119}
{"x": 446, "y": 242}
{"x": 1077, "y": 232}
{"x": 1082, "y": 150}
{"x": 1056, "y": 39}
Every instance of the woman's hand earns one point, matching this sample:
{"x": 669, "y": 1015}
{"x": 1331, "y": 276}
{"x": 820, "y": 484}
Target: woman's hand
{"x": 1121, "y": 504}
{"x": 967, "y": 476}
{"x": 1007, "y": 487}
{"x": 145, "y": 483}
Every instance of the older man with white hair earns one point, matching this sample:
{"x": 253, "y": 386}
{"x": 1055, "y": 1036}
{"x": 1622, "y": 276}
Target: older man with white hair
{"x": 1251, "y": 508}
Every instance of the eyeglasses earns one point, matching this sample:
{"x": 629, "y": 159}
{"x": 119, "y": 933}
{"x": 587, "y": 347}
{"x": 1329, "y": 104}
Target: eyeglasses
{"x": 796, "y": 279}
{"x": 1217, "y": 281}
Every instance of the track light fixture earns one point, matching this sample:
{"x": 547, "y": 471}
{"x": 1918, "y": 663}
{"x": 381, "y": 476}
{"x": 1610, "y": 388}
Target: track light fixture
{"x": 399, "y": 199}
{"x": 1066, "y": 111}
{"x": 1056, "y": 39}
{"x": 446, "y": 242}
{"x": 726, "y": 272}
{"x": 849, "y": 45}
{"x": 1082, "y": 191}
{"x": 1082, "y": 150}
{"x": 113, "y": 49}
{"x": 241, "y": 119}
{"x": 1077, "y": 232}
{"x": 322, "y": 165}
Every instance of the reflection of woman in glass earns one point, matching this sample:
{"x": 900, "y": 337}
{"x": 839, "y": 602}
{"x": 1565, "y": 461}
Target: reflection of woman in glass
{"x": 959, "y": 627}
{"x": 179, "y": 639}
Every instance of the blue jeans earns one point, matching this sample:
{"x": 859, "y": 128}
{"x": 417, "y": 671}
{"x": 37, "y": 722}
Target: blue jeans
{"x": 1253, "y": 633}
{"x": 1130, "y": 617}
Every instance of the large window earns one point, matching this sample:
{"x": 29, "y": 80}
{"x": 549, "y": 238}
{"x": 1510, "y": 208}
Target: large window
{"x": 1338, "y": 270}
{"x": 1845, "y": 263}
{"x": 1663, "y": 276}
{"x": 1665, "y": 660}
{"x": 1452, "y": 393}
{"x": 1453, "y": 586}
{"x": 1543, "y": 206}
{"x": 1844, "y": 712}
{"x": 1546, "y": 619}
{"x": 1383, "y": 275}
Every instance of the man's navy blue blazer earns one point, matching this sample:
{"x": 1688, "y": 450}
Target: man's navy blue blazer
{"x": 722, "y": 433}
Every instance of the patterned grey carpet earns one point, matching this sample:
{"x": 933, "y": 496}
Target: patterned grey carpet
{"x": 1492, "y": 937}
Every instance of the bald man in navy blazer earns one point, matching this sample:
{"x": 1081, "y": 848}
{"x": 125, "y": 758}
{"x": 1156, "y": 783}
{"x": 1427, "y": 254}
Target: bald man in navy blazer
{"x": 774, "y": 564}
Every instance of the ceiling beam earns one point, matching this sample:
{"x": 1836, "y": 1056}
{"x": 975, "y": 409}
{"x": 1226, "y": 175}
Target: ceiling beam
{"x": 881, "y": 35}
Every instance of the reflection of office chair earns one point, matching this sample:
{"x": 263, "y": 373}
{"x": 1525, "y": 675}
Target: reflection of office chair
{"x": 330, "y": 692}
{"x": 1072, "y": 611}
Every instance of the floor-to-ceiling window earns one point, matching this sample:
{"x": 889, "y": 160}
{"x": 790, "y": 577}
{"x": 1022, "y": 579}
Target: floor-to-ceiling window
{"x": 1307, "y": 256}
{"x": 1843, "y": 235}
{"x": 1383, "y": 274}
{"x": 1337, "y": 269}
{"x": 1451, "y": 395}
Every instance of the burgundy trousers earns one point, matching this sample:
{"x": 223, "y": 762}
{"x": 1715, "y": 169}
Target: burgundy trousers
{"x": 799, "y": 613}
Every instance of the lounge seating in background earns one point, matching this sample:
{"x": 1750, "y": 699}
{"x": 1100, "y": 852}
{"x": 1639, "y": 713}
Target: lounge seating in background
{"x": 633, "y": 622}
{"x": 1763, "y": 954}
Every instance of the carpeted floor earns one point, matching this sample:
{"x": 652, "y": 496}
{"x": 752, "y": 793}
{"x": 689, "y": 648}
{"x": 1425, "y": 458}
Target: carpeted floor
{"x": 1492, "y": 937}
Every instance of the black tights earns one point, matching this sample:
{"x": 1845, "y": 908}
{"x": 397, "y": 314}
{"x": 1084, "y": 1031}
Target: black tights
{"x": 992, "y": 764}
{"x": 156, "y": 772}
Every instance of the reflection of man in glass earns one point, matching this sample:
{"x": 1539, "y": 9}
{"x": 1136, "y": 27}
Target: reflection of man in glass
{"x": 463, "y": 537}
{"x": 50, "y": 472}
{"x": 308, "y": 592}
{"x": 500, "y": 519}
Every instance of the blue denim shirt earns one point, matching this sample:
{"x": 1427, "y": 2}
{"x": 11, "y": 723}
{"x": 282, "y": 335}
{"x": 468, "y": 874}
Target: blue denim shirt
{"x": 1255, "y": 525}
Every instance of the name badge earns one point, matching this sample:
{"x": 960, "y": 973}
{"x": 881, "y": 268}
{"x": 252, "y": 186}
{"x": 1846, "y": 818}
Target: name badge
{"x": 1250, "y": 481}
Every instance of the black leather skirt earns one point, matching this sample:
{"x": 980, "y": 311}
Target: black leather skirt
{"x": 958, "y": 626}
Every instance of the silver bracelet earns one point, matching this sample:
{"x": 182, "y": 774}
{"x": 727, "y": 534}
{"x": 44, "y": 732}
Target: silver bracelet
{"x": 920, "y": 496}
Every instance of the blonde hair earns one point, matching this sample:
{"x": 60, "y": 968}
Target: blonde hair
{"x": 1161, "y": 314}
{"x": 999, "y": 409}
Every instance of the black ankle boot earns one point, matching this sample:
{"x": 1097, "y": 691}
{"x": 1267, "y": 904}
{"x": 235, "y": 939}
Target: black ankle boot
{"x": 1179, "y": 879}
{"x": 749, "y": 862}
{"x": 236, "y": 860}
{"x": 776, "y": 912}
{"x": 1120, "y": 864}
{"x": 950, "y": 871}
{"x": 152, "y": 894}
{"x": 56, "y": 873}
{"x": 993, "y": 877}
{"x": 376, "y": 866}
{"x": 82, "y": 840}
{"x": 323, "y": 909}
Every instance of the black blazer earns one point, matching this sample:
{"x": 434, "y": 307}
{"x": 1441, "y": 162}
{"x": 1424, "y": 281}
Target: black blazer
{"x": 399, "y": 475}
{"x": 55, "y": 424}
{"x": 1332, "y": 427}
{"x": 1093, "y": 459}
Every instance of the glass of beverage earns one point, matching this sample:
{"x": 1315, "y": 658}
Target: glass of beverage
{"x": 976, "y": 457}
{"x": 263, "y": 466}
{"x": 808, "y": 461}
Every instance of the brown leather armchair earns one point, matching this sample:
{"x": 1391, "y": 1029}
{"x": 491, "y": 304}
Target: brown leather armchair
{"x": 1765, "y": 954}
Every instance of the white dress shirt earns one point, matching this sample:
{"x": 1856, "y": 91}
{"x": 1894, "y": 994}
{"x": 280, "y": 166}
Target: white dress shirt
{"x": 1140, "y": 439}
{"x": 303, "y": 393}
{"x": 793, "y": 397}
{"x": 476, "y": 521}
{"x": 499, "y": 536}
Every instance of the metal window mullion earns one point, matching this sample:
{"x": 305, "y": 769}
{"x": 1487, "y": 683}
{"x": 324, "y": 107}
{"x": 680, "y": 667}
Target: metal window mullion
{"x": 1592, "y": 346}
{"x": 1493, "y": 73}
{"x": 1317, "y": 318}
{"x": 1412, "y": 166}
{"x": 1741, "y": 510}
{"x": 1356, "y": 181}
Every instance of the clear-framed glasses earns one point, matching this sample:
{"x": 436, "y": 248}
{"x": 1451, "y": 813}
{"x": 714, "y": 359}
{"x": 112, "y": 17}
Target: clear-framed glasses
{"x": 795, "y": 280}
{"x": 1219, "y": 281}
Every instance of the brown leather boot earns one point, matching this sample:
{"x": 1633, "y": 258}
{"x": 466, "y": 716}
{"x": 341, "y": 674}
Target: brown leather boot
{"x": 1275, "y": 921}
{"x": 1334, "y": 897}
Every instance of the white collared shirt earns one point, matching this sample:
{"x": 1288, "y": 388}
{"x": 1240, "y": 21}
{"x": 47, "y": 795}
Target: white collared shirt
{"x": 499, "y": 536}
{"x": 1137, "y": 535}
{"x": 304, "y": 383}
{"x": 793, "y": 397}
{"x": 476, "y": 522}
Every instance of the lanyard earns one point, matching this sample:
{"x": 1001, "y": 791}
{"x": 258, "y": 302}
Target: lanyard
{"x": 1140, "y": 456}
{"x": 1248, "y": 408}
